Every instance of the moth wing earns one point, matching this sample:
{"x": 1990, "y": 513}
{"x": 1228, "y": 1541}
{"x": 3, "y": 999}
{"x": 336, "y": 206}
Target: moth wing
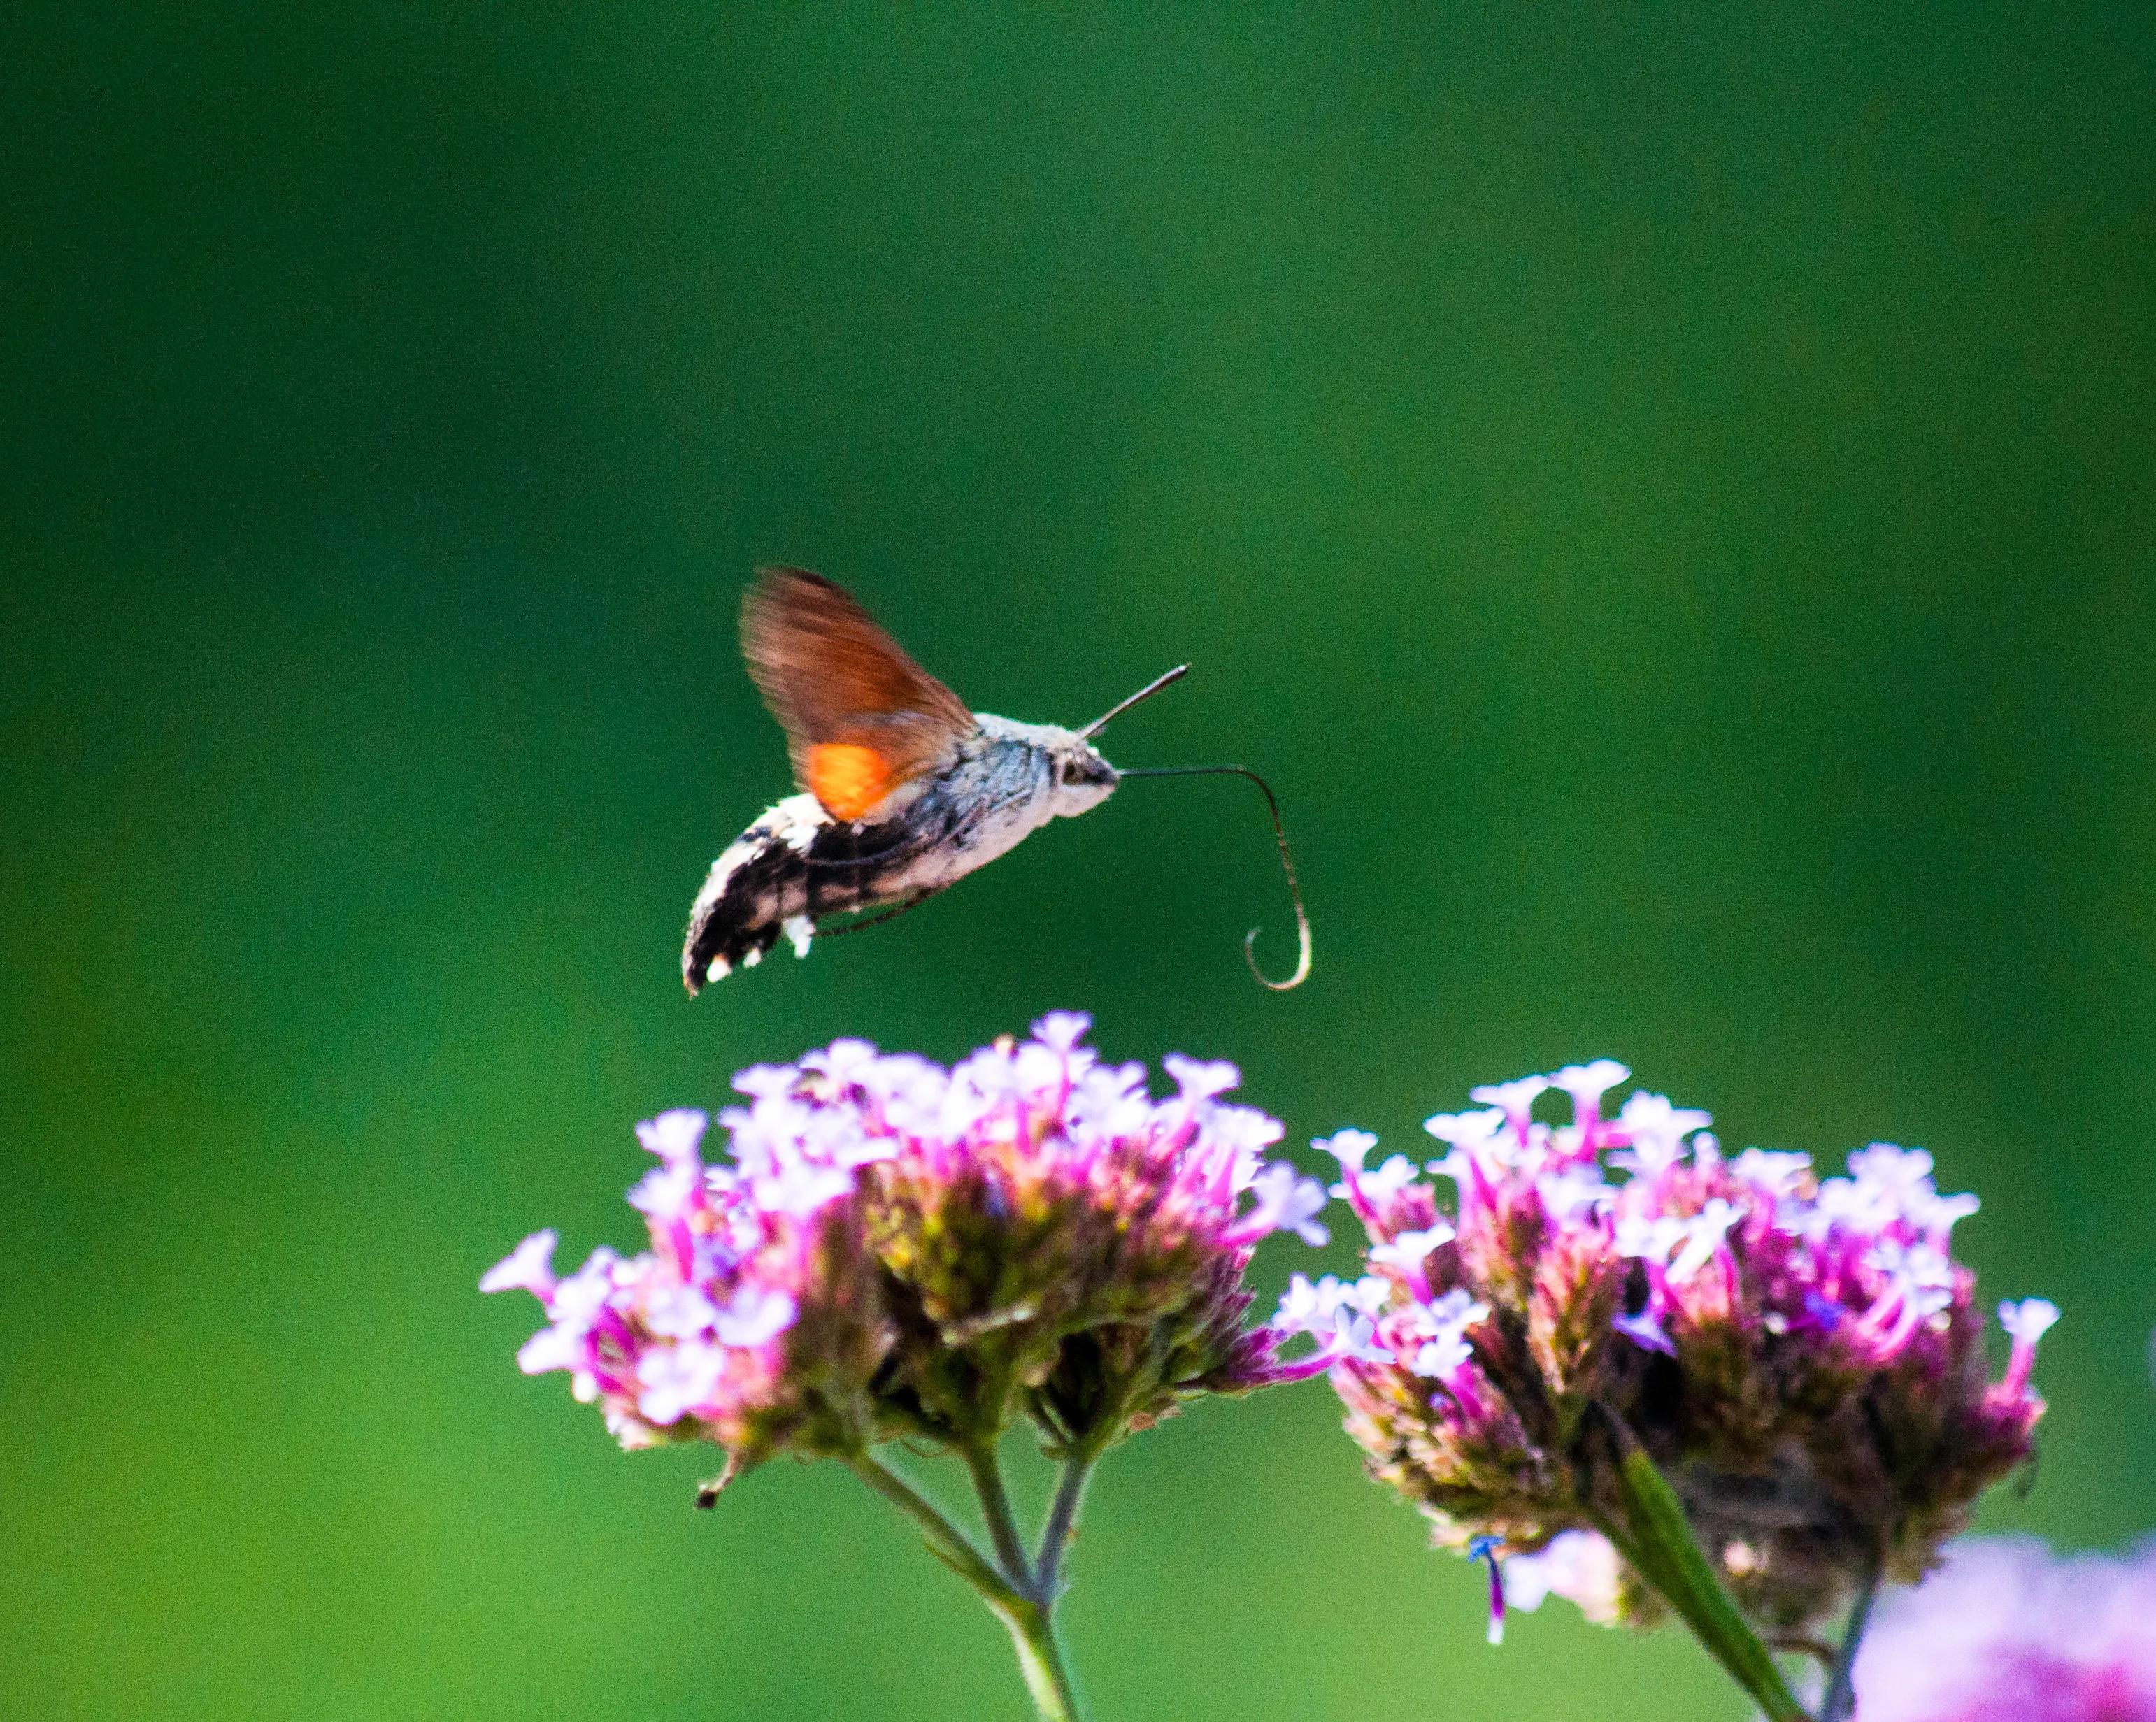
{"x": 861, "y": 717}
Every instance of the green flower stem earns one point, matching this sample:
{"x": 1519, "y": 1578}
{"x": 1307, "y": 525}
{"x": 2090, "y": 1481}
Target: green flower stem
{"x": 1062, "y": 1520}
{"x": 1652, "y": 1535}
{"x": 1003, "y": 1524}
{"x": 1030, "y": 1615}
{"x": 949, "y": 1544}
{"x": 1010, "y": 1597}
{"x": 1040, "y": 1660}
{"x": 1840, "y": 1704}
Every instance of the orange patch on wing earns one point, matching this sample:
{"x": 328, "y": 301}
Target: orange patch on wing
{"x": 849, "y": 779}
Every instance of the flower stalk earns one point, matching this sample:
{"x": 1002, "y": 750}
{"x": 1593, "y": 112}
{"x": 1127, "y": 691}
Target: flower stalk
{"x": 1062, "y": 1521}
{"x": 996, "y": 1511}
{"x": 1840, "y": 1704}
{"x": 1655, "y": 1539}
{"x": 946, "y": 1540}
{"x": 1040, "y": 1660}
{"x": 1011, "y": 1584}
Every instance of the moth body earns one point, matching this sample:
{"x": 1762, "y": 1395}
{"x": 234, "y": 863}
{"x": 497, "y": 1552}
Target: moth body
{"x": 905, "y": 789}
{"x": 998, "y": 783}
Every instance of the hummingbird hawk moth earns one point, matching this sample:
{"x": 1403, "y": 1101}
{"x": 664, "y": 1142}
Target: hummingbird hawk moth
{"x": 904, "y": 790}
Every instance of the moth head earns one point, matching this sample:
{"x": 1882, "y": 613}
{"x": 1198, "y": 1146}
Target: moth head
{"x": 1080, "y": 779}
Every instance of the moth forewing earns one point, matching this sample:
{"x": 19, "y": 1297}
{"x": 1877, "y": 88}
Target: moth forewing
{"x": 861, "y": 718}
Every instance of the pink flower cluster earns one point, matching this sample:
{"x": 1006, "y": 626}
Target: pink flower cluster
{"x": 1801, "y": 1356}
{"x": 897, "y": 1250}
{"x": 2005, "y": 1633}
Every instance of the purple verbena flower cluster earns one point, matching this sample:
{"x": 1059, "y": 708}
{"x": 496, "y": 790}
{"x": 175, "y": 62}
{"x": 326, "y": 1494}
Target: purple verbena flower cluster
{"x": 2004, "y": 1632}
{"x": 1801, "y": 1356}
{"x": 895, "y": 1250}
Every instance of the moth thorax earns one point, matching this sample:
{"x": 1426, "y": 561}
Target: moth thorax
{"x": 1066, "y": 774}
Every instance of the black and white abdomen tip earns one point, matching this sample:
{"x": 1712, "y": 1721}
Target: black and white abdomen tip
{"x": 755, "y": 894}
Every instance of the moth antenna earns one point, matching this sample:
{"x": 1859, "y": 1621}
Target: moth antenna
{"x": 1147, "y": 692}
{"x": 1280, "y": 835}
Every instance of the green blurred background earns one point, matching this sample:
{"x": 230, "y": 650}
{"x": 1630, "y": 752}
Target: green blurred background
{"x": 1665, "y": 492}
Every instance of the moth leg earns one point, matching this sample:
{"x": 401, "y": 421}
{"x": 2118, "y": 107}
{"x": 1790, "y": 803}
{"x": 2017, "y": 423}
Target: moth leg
{"x": 842, "y": 894}
{"x": 892, "y": 914}
{"x": 838, "y": 882}
{"x": 902, "y": 851}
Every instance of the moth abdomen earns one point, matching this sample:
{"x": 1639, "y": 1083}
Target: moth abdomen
{"x": 795, "y": 863}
